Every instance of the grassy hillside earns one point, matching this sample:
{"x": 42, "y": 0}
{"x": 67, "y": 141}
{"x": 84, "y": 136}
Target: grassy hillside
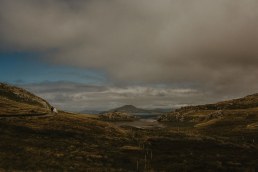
{"x": 247, "y": 102}
{"x": 68, "y": 142}
{"x": 194, "y": 140}
{"x": 62, "y": 142}
{"x": 244, "y": 108}
{"x": 17, "y": 101}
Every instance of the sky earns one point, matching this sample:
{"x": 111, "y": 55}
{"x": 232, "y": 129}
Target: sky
{"x": 96, "y": 55}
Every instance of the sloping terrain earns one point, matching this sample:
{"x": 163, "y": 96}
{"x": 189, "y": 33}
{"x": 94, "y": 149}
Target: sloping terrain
{"x": 234, "y": 121}
{"x": 60, "y": 143}
{"x": 250, "y": 101}
{"x": 68, "y": 142}
{"x": 237, "y": 109}
{"x": 226, "y": 141}
{"x": 15, "y": 101}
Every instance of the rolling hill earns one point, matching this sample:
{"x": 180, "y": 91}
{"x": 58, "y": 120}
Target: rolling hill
{"x": 15, "y": 100}
{"x": 219, "y": 139}
{"x": 242, "y": 111}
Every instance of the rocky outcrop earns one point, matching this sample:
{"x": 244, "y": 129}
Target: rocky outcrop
{"x": 190, "y": 116}
{"x": 117, "y": 116}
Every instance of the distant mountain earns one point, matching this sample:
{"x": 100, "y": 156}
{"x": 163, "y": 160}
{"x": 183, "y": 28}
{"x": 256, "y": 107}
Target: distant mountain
{"x": 15, "y": 100}
{"x": 245, "y": 105}
{"x": 96, "y": 112}
{"x": 129, "y": 109}
{"x": 135, "y": 110}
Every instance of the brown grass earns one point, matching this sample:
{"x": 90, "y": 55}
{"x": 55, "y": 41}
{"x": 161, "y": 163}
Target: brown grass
{"x": 10, "y": 107}
{"x": 70, "y": 142}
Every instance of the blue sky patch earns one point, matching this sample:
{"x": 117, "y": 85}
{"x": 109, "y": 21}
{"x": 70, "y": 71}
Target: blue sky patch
{"x": 28, "y": 68}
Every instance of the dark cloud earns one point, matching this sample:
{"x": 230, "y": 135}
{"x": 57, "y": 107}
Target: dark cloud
{"x": 211, "y": 44}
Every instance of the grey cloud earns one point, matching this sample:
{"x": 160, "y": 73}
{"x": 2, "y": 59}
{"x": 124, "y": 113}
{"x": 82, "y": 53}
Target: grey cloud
{"x": 92, "y": 97}
{"x": 212, "y": 44}
{"x": 63, "y": 87}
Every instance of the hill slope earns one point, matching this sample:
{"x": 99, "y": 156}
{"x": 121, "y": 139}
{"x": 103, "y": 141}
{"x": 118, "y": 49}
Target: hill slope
{"x": 72, "y": 142}
{"x": 250, "y": 101}
{"x": 244, "y": 108}
{"x": 14, "y": 100}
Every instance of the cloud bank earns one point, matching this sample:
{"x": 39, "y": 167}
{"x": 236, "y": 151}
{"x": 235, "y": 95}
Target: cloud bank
{"x": 78, "y": 97}
{"x": 209, "y": 44}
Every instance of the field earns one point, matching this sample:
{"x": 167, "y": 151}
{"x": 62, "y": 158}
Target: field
{"x": 11, "y": 107}
{"x": 70, "y": 142}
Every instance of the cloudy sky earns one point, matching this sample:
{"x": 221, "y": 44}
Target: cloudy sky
{"x": 88, "y": 54}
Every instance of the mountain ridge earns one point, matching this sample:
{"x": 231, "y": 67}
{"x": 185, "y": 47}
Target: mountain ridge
{"x": 128, "y": 109}
{"x": 134, "y": 109}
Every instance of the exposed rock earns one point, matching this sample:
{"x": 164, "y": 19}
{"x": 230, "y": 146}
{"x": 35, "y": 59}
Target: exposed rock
{"x": 117, "y": 116}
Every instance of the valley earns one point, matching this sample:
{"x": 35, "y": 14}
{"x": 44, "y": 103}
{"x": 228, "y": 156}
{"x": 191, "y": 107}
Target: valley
{"x": 187, "y": 139}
